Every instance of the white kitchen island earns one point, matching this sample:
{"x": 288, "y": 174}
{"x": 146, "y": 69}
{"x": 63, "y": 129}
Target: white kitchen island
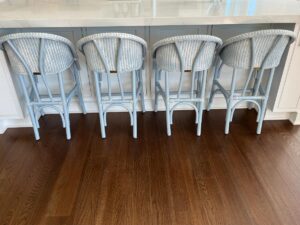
{"x": 152, "y": 20}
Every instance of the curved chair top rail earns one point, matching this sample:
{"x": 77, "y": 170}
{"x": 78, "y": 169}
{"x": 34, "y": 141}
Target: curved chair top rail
{"x": 186, "y": 38}
{"x": 47, "y": 36}
{"x": 92, "y": 37}
{"x": 258, "y": 49}
{"x": 260, "y": 33}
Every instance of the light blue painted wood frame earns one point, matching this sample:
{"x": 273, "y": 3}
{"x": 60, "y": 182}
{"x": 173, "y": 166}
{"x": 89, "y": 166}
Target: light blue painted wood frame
{"x": 254, "y": 94}
{"x": 121, "y": 98}
{"x": 36, "y": 102}
{"x": 196, "y": 95}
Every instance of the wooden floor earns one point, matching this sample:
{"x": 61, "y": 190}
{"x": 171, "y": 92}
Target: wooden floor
{"x": 238, "y": 179}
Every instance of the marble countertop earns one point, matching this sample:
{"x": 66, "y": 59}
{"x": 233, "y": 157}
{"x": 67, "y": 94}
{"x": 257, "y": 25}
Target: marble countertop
{"x": 84, "y": 13}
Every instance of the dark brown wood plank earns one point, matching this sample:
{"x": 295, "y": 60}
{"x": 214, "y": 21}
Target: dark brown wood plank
{"x": 234, "y": 179}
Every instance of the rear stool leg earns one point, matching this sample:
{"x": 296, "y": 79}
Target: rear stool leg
{"x": 100, "y": 105}
{"x": 65, "y": 106}
{"x": 30, "y": 108}
{"x": 33, "y": 121}
{"x": 198, "y": 94}
{"x": 261, "y": 116}
{"x": 134, "y": 104}
{"x": 78, "y": 91}
{"x": 228, "y": 117}
{"x": 36, "y": 119}
{"x": 168, "y": 122}
{"x": 67, "y": 119}
{"x": 200, "y": 115}
{"x": 201, "y": 106}
{"x": 156, "y": 91}
{"x": 212, "y": 91}
{"x": 141, "y": 83}
{"x": 81, "y": 102}
{"x": 265, "y": 101}
{"x": 211, "y": 97}
{"x": 229, "y": 102}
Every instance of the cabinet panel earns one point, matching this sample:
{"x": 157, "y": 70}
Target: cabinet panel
{"x": 9, "y": 102}
{"x": 291, "y": 92}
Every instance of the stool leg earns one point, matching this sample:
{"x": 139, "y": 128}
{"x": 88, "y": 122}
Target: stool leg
{"x": 36, "y": 118}
{"x": 34, "y": 124}
{"x": 168, "y": 122}
{"x": 228, "y": 115}
{"x": 100, "y": 105}
{"x": 211, "y": 97}
{"x": 134, "y": 104}
{"x": 65, "y": 106}
{"x": 78, "y": 91}
{"x": 141, "y": 83}
{"x": 201, "y": 105}
{"x": 265, "y": 102}
{"x": 30, "y": 108}
{"x": 156, "y": 91}
{"x": 229, "y": 102}
{"x": 212, "y": 91}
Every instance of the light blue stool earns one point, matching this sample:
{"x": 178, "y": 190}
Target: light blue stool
{"x": 110, "y": 56}
{"x": 34, "y": 58}
{"x": 190, "y": 53}
{"x": 255, "y": 52}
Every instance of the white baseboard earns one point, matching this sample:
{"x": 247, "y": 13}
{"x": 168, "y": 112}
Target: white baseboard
{"x": 13, "y": 123}
{"x": 91, "y": 106}
{"x": 277, "y": 115}
{"x": 295, "y": 118}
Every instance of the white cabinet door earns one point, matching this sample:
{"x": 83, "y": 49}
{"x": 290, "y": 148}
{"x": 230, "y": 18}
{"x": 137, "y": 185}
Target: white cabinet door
{"x": 9, "y": 103}
{"x": 10, "y": 107}
{"x": 290, "y": 83}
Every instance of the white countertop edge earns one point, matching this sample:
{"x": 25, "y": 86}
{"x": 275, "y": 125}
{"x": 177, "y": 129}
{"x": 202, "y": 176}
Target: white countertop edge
{"x": 113, "y": 22}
